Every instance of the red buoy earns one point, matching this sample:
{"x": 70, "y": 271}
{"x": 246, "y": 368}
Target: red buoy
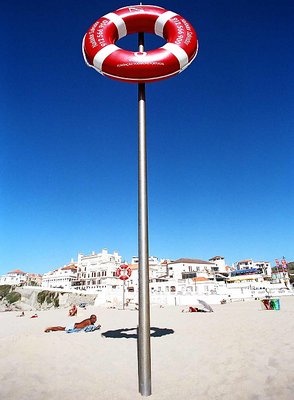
{"x": 101, "y": 53}
{"x": 123, "y": 272}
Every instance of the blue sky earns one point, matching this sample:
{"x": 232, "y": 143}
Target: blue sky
{"x": 220, "y": 138}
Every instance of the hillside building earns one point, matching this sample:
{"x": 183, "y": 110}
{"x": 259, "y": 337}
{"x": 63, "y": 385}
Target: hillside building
{"x": 15, "y": 277}
{"x": 61, "y": 278}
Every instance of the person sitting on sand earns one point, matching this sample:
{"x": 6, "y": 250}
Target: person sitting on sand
{"x": 78, "y": 326}
{"x": 73, "y": 311}
{"x": 195, "y": 309}
{"x": 21, "y": 315}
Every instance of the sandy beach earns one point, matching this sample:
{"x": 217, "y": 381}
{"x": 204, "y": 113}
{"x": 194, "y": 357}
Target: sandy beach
{"x": 237, "y": 352}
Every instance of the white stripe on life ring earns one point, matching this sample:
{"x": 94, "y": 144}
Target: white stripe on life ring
{"x": 161, "y": 21}
{"x": 119, "y": 23}
{"x": 178, "y": 52}
{"x": 102, "y": 54}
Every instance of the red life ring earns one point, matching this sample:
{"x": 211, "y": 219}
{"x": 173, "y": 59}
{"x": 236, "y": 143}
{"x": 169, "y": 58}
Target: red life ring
{"x": 101, "y": 53}
{"x": 123, "y": 272}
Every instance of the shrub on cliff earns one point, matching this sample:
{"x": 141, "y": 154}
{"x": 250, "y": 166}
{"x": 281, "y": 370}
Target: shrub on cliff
{"x": 13, "y": 297}
{"x": 4, "y": 290}
{"x": 41, "y": 296}
{"x": 48, "y": 297}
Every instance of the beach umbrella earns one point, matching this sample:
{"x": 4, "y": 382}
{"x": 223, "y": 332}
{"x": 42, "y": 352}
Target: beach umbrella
{"x": 204, "y": 306}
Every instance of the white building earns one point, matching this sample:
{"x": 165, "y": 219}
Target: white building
{"x": 263, "y": 266}
{"x": 97, "y": 270}
{"x": 185, "y": 268}
{"x": 220, "y": 264}
{"x": 244, "y": 264}
{"x": 60, "y": 278}
{"x": 157, "y": 268}
{"x": 15, "y": 277}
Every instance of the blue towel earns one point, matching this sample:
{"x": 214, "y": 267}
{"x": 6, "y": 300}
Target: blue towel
{"x": 73, "y": 330}
{"x": 89, "y": 328}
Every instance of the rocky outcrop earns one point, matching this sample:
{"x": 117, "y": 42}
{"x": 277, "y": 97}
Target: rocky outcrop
{"x": 40, "y": 299}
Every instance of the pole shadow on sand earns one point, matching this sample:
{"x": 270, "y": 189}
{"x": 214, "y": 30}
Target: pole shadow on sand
{"x": 131, "y": 333}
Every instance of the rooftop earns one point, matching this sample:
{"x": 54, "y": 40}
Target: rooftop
{"x": 190, "y": 261}
{"x": 17, "y": 271}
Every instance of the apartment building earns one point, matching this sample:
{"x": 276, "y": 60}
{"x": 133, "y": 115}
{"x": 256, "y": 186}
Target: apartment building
{"x": 60, "y": 278}
{"x": 15, "y": 277}
{"x": 185, "y": 268}
{"x": 97, "y": 270}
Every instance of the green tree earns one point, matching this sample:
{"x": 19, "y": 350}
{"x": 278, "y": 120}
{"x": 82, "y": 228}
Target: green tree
{"x": 4, "y": 290}
{"x": 13, "y": 297}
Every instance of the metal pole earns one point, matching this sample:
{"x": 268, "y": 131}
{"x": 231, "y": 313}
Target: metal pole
{"x": 144, "y": 357}
{"x": 124, "y": 295}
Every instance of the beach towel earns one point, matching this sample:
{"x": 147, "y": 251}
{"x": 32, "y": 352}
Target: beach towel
{"x": 73, "y": 330}
{"x": 70, "y": 327}
{"x": 89, "y": 328}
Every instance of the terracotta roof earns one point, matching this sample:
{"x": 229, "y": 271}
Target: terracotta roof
{"x": 190, "y": 261}
{"x": 67, "y": 267}
{"x": 200, "y": 279}
{"x": 134, "y": 266}
{"x": 17, "y": 271}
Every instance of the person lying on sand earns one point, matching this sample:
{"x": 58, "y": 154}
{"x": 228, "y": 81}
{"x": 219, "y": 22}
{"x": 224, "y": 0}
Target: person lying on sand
{"x": 87, "y": 325}
{"x": 194, "y": 309}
